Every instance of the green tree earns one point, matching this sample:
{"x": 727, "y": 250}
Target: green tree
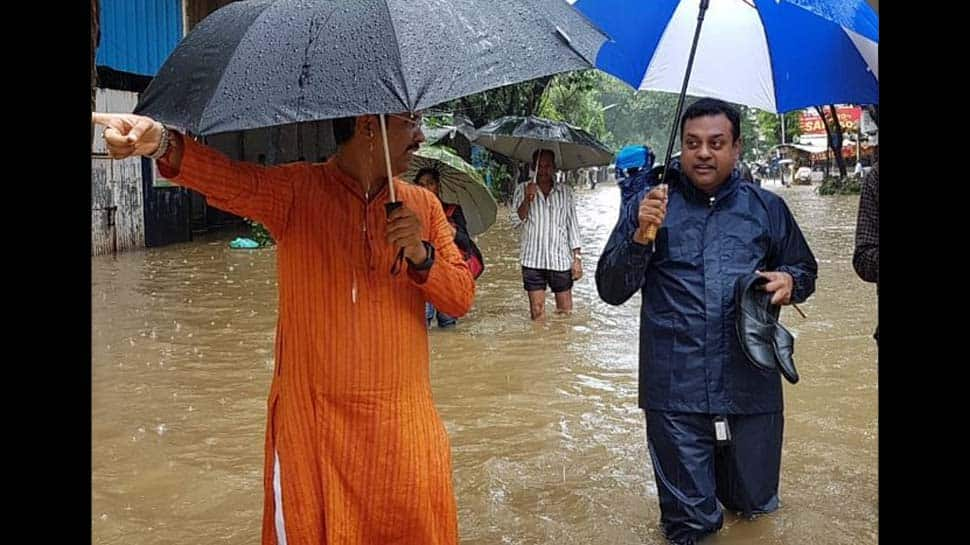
{"x": 572, "y": 98}
{"x": 517, "y": 99}
{"x": 636, "y": 117}
{"x": 769, "y": 129}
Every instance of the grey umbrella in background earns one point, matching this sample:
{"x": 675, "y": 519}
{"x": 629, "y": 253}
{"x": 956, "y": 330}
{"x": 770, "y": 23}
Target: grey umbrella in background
{"x": 460, "y": 184}
{"x": 459, "y": 128}
{"x": 519, "y": 137}
{"x": 458, "y": 135}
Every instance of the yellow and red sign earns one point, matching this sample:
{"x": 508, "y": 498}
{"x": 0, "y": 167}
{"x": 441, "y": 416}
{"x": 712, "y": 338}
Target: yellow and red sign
{"x": 849, "y": 118}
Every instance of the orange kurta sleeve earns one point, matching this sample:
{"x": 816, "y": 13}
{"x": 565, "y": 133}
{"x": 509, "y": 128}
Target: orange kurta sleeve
{"x": 264, "y": 194}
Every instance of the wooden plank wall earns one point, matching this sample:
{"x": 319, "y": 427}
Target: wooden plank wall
{"x": 117, "y": 202}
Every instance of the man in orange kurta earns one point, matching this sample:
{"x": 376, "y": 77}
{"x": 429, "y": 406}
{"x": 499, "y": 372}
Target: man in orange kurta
{"x": 356, "y": 453}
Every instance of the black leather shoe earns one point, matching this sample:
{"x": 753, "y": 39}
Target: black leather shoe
{"x": 766, "y": 343}
{"x": 784, "y": 344}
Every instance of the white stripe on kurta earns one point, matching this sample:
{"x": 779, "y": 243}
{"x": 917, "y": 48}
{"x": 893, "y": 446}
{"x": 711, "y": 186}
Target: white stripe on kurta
{"x": 278, "y": 500}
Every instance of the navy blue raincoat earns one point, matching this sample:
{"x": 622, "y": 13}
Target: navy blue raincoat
{"x": 632, "y": 185}
{"x": 690, "y": 359}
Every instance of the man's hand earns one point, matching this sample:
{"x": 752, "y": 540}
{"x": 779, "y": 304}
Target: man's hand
{"x": 128, "y": 135}
{"x": 577, "y": 269}
{"x": 780, "y": 285}
{"x": 652, "y": 211}
{"x": 404, "y": 230}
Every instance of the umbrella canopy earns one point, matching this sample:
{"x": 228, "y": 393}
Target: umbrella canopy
{"x": 775, "y": 55}
{"x": 460, "y": 127}
{"x": 263, "y": 63}
{"x": 519, "y": 137}
{"x": 460, "y": 184}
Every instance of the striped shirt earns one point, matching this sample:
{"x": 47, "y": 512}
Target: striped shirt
{"x": 550, "y": 231}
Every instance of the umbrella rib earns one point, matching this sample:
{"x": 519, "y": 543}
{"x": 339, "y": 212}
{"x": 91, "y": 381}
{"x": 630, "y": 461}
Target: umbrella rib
{"x": 400, "y": 62}
{"x": 226, "y": 67}
{"x": 306, "y": 62}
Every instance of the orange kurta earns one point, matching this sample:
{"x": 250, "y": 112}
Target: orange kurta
{"x": 364, "y": 457}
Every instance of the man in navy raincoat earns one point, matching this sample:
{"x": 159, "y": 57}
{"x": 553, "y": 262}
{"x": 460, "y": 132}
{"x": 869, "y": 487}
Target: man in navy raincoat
{"x": 694, "y": 377}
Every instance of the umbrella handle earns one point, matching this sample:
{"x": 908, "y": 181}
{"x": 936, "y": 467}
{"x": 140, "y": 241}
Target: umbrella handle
{"x": 651, "y": 232}
{"x": 399, "y": 259}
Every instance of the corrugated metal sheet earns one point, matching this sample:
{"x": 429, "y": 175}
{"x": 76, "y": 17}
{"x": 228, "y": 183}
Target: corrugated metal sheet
{"x": 138, "y": 35}
{"x": 167, "y": 211}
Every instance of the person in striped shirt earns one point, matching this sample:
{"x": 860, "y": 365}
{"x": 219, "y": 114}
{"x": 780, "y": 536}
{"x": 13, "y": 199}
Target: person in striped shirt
{"x": 544, "y": 212}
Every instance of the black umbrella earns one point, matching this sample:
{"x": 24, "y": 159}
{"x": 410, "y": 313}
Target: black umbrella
{"x": 263, "y": 63}
{"x": 520, "y": 137}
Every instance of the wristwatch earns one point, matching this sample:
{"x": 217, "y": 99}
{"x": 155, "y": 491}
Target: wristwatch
{"x": 428, "y": 261}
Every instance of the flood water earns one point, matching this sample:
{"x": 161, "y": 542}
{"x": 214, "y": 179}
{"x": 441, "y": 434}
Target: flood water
{"x": 548, "y": 442}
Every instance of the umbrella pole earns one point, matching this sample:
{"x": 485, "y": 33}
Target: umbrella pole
{"x": 651, "y": 233}
{"x": 392, "y": 204}
{"x": 387, "y": 160}
{"x": 535, "y": 166}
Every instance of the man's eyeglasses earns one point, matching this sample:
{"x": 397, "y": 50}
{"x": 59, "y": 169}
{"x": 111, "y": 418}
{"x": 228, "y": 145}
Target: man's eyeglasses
{"x": 413, "y": 120}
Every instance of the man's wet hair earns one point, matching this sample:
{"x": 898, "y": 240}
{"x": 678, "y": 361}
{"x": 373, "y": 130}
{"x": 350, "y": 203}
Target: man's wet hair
{"x": 710, "y": 107}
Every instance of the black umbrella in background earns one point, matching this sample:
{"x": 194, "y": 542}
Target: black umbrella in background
{"x": 519, "y": 137}
{"x": 458, "y": 135}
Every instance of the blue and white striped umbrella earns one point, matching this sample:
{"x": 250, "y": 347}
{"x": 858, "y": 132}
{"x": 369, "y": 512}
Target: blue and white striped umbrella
{"x": 775, "y": 55}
